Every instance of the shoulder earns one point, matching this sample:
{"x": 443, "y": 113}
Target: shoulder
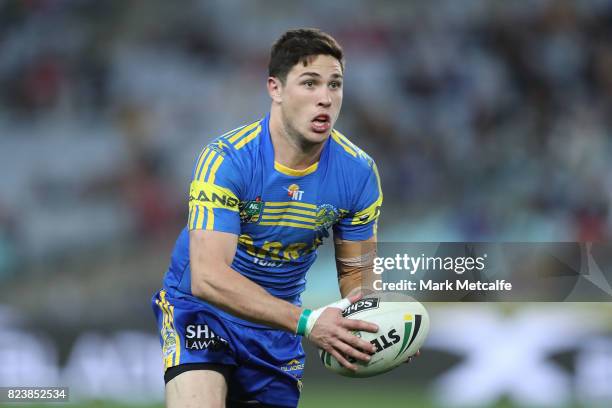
{"x": 350, "y": 155}
{"x": 237, "y": 144}
{"x": 241, "y": 138}
{"x": 228, "y": 153}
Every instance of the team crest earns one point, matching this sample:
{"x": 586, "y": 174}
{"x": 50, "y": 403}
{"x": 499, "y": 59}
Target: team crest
{"x": 327, "y": 215}
{"x": 250, "y": 211}
{"x": 169, "y": 339}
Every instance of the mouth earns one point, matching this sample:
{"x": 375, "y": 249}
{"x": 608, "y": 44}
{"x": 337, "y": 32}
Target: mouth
{"x": 321, "y": 123}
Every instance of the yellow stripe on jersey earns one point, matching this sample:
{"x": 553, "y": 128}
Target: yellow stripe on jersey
{"x": 215, "y": 167}
{"x": 375, "y": 168}
{"x": 348, "y": 143}
{"x": 210, "y": 219}
{"x": 166, "y": 343}
{"x": 204, "y": 169}
{"x": 171, "y": 347}
{"x": 177, "y": 355}
{"x": 210, "y": 222}
{"x": 200, "y": 163}
{"x": 286, "y": 224}
{"x": 248, "y": 138}
{"x": 343, "y": 141}
{"x": 190, "y": 217}
{"x": 288, "y": 217}
{"x": 372, "y": 212}
{"x": 289, "y": 204}
{"x": 233, "y": 130}
{"x": 233, "y": 139}
{"x": 369, "y": 214}
{"x": 211, "y": 196}
{"x": 289, "y": 210}
{"x": 296, "y": 173}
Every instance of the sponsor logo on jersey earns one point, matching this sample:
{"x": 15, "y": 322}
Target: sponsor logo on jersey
{"x": 293, "y": 365}
{"x": 361, "y": 305}
{"x": 250, "y": 211}
{"x": 295, "y": 368}
{"x": 212, "y": 196}
{"x": 201, "y": 337}
{"x": 222, "y": 200}
{"x": 294, "y": 192}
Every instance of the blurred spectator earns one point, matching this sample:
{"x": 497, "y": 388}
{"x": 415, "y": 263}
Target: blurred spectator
{"x": 493, "y": 117}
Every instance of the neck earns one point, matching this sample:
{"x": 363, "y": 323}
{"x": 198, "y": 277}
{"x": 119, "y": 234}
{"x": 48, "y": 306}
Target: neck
{"x": 292, "y": 150}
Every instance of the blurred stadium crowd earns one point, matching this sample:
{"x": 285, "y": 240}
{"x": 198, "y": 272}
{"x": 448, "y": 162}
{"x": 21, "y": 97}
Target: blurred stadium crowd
{"x": 488, "y": 120}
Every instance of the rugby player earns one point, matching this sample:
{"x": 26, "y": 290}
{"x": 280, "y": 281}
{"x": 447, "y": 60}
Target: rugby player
{"x": 263, "y": 197}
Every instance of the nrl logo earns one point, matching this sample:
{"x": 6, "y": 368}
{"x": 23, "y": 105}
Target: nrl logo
{"x": 250, "y": 211}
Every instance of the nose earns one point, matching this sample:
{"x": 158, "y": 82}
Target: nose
{"x": 325, "y": 98}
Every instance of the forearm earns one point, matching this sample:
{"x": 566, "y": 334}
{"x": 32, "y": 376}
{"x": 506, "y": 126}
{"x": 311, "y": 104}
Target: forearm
{"x": 355, "y": 278}
{"x": 355, "y": 265}
{"x": 238, "y": 295}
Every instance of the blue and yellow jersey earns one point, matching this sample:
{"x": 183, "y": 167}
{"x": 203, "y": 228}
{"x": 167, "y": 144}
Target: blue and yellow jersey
{"x": 280, "y": 215}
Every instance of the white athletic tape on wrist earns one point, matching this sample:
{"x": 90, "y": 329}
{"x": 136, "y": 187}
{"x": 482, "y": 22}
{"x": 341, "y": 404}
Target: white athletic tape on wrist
{"x": 314, "y": 316}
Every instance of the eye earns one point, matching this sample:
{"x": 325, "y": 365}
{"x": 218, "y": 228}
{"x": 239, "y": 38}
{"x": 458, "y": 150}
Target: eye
{"x": 309, "y": 83}
{"x": 335, "y": 84}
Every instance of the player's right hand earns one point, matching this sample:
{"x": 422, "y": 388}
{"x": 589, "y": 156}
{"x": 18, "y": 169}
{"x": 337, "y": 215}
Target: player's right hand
{"x": 332, "y": 332}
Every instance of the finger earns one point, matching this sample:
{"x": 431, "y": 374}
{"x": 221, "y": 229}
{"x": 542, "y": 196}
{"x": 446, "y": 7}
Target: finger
{"x": 349, "y": 350}
{"x": 358, "y": 343}
{"x": 359, "y": 325}
{"x": 343, "y": 361}
{"x": 340, "y": 304}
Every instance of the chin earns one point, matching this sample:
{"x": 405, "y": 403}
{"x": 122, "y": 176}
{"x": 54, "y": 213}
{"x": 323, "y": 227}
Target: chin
{"x": 315, "y": 138}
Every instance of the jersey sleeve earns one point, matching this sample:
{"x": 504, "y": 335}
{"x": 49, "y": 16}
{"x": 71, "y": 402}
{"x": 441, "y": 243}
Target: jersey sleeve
{"x": 214, "y": 191}
{"x": 360, "y": 222}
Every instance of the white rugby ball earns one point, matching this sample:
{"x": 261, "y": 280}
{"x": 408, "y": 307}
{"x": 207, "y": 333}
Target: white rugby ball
{"x": 402, "y": 329}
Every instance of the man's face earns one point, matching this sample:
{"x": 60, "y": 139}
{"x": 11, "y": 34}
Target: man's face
{"x": 311, "y": 98}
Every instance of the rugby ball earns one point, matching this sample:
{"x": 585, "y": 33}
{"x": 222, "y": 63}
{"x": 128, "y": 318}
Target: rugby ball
{"x": 402, "y": 328}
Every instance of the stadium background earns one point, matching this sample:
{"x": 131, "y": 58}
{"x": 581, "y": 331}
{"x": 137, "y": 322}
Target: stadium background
{"x": 488, "y": 120}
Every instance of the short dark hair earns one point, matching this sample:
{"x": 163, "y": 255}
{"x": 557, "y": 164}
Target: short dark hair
{"x": 297, "y": 46}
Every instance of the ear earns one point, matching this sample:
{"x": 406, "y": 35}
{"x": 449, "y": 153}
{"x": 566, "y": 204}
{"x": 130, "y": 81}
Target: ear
{"x": 275, "y": 89}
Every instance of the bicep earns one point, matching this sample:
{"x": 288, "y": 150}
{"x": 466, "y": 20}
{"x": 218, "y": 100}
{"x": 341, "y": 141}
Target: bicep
{"x": 209, "y": 248}
{"x": 359, "y": 224}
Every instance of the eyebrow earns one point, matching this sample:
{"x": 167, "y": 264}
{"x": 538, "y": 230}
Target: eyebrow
{"x": 315, "y": 74}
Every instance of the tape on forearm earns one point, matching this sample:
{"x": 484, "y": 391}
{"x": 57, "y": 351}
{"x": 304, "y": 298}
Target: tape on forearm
{"x": 358, "y": 261}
